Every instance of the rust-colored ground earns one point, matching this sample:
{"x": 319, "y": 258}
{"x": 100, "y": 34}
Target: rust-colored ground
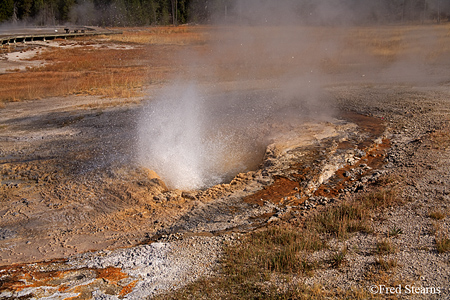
{"x": 290, "y": 191}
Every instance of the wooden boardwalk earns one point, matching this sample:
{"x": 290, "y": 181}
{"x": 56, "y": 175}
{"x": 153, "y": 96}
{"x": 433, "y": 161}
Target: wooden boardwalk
{"x": 29, "y": 34}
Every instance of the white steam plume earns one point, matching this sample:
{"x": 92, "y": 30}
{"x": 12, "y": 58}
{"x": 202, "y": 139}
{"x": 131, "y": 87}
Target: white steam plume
{"x": 190, "y": 139}
{"x": 170, "y": 137}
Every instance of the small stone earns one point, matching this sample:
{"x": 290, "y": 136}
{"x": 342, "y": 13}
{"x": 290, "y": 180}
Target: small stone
{"x": 188, "y": 195}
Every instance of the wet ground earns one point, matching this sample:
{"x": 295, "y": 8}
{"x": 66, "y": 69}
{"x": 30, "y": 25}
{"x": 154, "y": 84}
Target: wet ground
{"x": 70, "y": 182}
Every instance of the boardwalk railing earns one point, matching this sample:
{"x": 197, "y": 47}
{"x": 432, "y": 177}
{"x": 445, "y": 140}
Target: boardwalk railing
{"x": 64, "y": 34}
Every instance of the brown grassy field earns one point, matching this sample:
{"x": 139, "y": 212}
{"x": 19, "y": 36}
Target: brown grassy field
{"x": 102, "y": 66}
{"x": 122, "y": 65}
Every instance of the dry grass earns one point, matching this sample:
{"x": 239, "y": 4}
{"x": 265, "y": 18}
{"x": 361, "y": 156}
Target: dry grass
{"x": 182, "y": 35}
{"x": 442, "y": 243}
{"x": 383, "y": 272}
{"x": 441, "y": 139}
{"x": 386, "y": 264}
{"x": 106, "y": 71}
{"x": 74, "y": 71}
{"x": 382, "y": 43}
{"x": 274, "y": 249}
{"x": 436, "y": 215}
{"x": 354, "y": 215}
{"x": 390, "y": 43}
{"x": 20, "y": 86}
{"x": 217, "y": 289}
{"x": 248, "y": 267}
{"x": 253, "y": 268}
{"x": 385, "y": 246}
{"x": 442, "y": 237}
{"x": 382, "y": 198}
{"x": 108, "y": 103}
{"x": 230, "y": 53}
{"x": 341, "y": 220}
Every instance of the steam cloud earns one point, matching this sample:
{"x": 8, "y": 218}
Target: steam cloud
{"x": 194, "y": 138}
{"x": 171, "y": 137}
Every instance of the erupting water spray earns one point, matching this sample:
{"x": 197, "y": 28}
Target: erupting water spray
{"x": 182, "y": 138}
{"x": 170, "y": 138}
{"x": 193, "y": 139}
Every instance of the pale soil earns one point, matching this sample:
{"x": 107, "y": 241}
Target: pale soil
{"x": 19, "y": 61}
{"x": 70, "y": 184}
{"x": 22, "y": 56}
{"x": 413, "y": 115}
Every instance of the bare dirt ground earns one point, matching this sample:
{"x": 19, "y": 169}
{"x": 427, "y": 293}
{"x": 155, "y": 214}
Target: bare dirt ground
{"x": 79, "y": 218}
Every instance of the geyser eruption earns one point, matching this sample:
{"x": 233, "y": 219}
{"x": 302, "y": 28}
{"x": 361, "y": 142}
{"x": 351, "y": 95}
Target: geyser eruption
{"x": 190, "y": 141}
{"x": 171, "y": 140}
{"x": 194, "y": 139}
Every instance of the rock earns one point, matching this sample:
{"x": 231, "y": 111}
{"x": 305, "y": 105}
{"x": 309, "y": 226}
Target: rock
{"x": 360, "y": 153}
{"x": 273, "y": 219}
{"x": 189, "y": 195}
{"x": 6, "y": 234}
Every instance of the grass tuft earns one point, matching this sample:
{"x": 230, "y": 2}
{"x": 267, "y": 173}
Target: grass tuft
{"x": 386, "y": 265}
{"x": 338, "y": 259}
{"x": 353, "y": 215}
{"x": 441, "y": 139}
{"x": 442, "y": 244}
{"x": 385, "y": 246}
{"x": 342, "y": 219}
{"x": 382, "y": 199}
{"x": 274, "y": 249}
{"x": 436, "y": 215}
{"x": 395, "y": 231}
